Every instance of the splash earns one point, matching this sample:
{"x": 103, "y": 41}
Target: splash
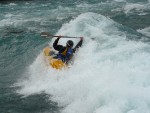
{"x": 109, "y": 75}
{"x": 137, "y": 7}
{"x": 145, "y": 31}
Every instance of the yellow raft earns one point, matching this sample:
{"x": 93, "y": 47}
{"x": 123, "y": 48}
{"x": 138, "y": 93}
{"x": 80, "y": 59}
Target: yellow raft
{"x": 54, "y": 63}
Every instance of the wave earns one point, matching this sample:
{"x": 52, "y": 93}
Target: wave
{"x": 145, "y": 31}
{"x": 110, "y": 74}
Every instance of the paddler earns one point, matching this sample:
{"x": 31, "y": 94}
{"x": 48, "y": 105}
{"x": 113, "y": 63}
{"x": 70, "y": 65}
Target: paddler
{"x": 65, "y": 53}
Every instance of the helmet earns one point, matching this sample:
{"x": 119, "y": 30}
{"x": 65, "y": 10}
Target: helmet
{"x": 69, "y": 43}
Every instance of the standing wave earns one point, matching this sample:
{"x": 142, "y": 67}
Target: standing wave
{"x": 110, "y": 74}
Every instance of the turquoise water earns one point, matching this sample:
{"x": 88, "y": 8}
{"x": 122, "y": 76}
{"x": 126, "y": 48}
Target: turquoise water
{"x": 111, "y": 77}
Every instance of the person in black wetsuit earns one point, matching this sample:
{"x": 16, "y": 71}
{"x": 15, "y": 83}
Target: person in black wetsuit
{"x": 66, "y": 52}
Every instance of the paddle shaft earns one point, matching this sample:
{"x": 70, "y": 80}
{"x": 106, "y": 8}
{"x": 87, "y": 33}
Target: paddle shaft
{"x": 66, "y": 37}
{"x": 46, "y": 34}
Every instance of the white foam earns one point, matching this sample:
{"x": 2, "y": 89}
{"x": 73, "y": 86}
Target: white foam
{"x": 17, "y": 20}
{"x": 109, "y": 74}
{"x": 142, "y": 13}
{"x": 119, "y": 0}
{"x": 12, "y": 4}
{"x": 145, "y": 31}
{"x": 134, "y": 6}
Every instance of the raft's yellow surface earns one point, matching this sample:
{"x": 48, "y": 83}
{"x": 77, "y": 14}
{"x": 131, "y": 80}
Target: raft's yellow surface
{"x": 55, "y": 63}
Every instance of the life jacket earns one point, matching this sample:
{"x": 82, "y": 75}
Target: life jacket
{"x": 65, "y": 55}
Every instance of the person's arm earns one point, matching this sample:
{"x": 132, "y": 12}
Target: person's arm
{"x": 56, "y": 46}
{"x": 78, "y": 45}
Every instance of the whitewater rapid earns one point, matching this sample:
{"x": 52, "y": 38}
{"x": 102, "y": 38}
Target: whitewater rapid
{"x": 110, "y": 74}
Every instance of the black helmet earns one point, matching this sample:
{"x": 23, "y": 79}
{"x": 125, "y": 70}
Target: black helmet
{"x": 70, "y": 43}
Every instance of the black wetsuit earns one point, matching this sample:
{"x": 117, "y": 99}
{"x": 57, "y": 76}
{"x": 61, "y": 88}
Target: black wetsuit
{"x": 61, "y": 48}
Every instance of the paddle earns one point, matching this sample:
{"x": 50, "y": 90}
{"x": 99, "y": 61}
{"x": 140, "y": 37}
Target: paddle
{"x": 48, "y": 35}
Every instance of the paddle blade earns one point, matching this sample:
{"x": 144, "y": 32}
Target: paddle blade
{"x": 45, "y": 34}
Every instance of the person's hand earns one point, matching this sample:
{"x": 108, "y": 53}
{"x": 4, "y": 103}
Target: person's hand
{"x": 81, "y": 38}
